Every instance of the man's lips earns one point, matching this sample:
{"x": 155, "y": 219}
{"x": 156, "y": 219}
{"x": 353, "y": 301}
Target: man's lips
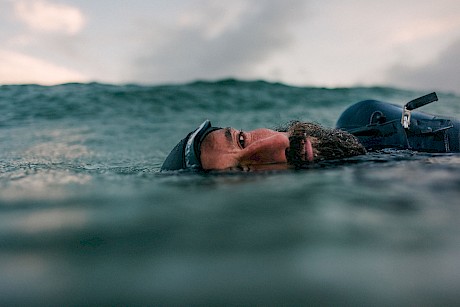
{"x": 308, "y": 150}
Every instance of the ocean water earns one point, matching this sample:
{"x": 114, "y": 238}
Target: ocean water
{"x": 87, "y": 218}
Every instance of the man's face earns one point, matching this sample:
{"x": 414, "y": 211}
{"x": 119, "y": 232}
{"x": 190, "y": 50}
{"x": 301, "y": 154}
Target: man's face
{"x": 262, "y": 149}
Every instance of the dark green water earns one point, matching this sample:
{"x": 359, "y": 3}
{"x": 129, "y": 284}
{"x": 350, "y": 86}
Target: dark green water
{"x": 86, "y": 217}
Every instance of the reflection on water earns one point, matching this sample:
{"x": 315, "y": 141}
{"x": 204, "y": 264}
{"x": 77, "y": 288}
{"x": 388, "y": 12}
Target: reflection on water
{"x": 44, "y": 166}
{"x": 60, "y": 219}
{"x": 35, "y": 182}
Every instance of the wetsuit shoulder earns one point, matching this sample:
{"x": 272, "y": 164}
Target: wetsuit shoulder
{"x": 364, "y": 112}
{"x": 377, "y": 125}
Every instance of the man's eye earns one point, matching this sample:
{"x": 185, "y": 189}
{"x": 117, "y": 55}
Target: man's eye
{"x": 241, "y": 139}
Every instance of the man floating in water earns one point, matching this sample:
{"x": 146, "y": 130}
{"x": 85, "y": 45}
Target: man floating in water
{"x": 365, "y": 126}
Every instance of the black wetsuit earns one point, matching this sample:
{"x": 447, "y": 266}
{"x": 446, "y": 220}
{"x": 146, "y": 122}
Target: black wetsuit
{"x": 378, "y": 125}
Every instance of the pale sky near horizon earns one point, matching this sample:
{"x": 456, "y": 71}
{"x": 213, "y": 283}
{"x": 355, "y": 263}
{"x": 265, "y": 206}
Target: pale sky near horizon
{"x": 412, "y": 44}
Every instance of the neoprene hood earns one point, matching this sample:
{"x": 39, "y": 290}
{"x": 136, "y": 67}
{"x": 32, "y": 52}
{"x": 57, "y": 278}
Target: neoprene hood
{"x": 186, "y": 154}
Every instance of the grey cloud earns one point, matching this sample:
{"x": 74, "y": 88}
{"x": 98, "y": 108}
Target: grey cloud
{"x": 442, "y": 74}
{"x": 188, "y": 54}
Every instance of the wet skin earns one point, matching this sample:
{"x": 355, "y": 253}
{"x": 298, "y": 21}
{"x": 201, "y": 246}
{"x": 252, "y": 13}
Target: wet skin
{"x": 259, "y": 149}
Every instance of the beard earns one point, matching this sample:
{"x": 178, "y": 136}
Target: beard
{"x": 327, "y": 143}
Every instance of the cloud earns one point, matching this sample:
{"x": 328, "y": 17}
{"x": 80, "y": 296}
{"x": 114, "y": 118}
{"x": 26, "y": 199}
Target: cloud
{"x": 45, "y": 16}
{"x": 215, "y": 19}
{"x": 18, "y": 68}
{"x": 443, "y": 73}
{"x": 219, "y": 40}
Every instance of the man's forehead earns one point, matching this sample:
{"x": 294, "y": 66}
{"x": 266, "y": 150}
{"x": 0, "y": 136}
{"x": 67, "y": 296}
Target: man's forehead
{"x": 219, "y": 139}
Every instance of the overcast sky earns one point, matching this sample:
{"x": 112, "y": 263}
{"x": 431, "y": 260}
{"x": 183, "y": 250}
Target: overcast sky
{"x": 404, "y": 43}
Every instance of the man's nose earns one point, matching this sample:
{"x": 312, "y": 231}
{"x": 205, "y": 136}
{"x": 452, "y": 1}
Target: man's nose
{"x": 268, "y": 150}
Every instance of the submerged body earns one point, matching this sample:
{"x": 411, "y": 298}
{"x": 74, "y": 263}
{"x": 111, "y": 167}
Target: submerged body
{"x": 365, "y": 126}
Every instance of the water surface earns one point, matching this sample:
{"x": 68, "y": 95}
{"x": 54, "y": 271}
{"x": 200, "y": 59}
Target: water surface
{"x": 86, "y": 216}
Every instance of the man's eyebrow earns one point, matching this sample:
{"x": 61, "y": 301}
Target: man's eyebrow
{"x": 228, "y": 134}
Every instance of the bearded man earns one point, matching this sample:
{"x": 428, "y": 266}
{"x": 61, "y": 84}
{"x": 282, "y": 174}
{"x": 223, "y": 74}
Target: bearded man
{"x": 367, "y": 125}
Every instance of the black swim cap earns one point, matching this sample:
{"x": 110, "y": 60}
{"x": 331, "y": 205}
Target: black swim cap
{"x": 186, "y": 154}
